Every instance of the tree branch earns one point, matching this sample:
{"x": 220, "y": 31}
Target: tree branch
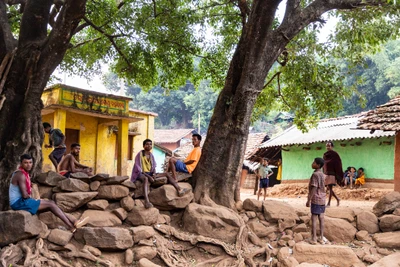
{"x": 9, "y": 41}
{"x": 111, "y": 39}
{"x": 296, "y": 19}
{"x": 66, "y": 23}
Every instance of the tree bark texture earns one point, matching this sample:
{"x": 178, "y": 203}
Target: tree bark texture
{"x": 36, "y": 54}
{"x": 217, "y": 175}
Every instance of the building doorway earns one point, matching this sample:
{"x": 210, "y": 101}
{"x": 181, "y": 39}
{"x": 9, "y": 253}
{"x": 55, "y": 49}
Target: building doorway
{"x": 71, "y": 136}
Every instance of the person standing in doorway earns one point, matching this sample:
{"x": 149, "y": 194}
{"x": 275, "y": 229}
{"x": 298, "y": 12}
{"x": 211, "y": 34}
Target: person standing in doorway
{"x": 56, "y": 140}
{"x": 333, "y": 171}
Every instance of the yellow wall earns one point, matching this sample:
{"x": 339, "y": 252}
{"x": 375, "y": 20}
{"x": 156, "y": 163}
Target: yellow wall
{"x": 98, "y": 140}
{"x": 146, "y": 129}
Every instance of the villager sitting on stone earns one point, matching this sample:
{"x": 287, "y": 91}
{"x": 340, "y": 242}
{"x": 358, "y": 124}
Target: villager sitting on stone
{"x": 56, "y": 140}
{"x": 69, "y": 164}
{"x": 20, "y": 196}
{"x": 360, "y": 178}
{"x": 190, "y": 163}
{"x": 145, "y": 171}
{"x": 350, "y": 177}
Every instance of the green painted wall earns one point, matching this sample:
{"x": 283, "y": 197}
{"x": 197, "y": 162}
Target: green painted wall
{"x": 373, "y": 155}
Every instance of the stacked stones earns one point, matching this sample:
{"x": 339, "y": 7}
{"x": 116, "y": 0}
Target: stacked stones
{"x": 357, "y": 237}
{"x": 116, "y": 220}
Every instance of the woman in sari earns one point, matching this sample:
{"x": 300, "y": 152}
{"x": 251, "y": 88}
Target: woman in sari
{"x": 333, "y": 171}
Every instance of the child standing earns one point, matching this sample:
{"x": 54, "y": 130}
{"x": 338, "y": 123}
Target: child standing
{"x": 316, "y": 197}
{"x": 263, "y": 173}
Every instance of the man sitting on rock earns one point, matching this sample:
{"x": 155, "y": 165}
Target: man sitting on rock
{"x": 144, "y": 170}
{"x": 69, "y": 164}
{"x": 190, "y": 163}
{"x": 20, "y": 196}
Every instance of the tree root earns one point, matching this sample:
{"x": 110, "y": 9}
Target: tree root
{"x": 86, "y": 254}
{"x": 240, "y": 250}
{"x": 10, "y": 255}
{"x": 41, "y": 255}
{"x": 169, "y": 258}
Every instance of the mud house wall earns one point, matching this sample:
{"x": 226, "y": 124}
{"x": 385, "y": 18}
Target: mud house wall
{"x": 376, "y": 156}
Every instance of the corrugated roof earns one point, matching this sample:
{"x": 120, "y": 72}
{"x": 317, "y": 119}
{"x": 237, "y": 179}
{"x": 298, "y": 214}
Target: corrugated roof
{"x": 170, "y": 136}
{"x": 385, "y": 117}
{"x": 335, "y": 129}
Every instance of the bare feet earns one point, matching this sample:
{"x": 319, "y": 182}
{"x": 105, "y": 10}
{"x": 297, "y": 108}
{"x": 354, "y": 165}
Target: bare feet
{"x": 183, "y": 191}
{"x": 148, "y": 205}
{"x": 81, "y": 222}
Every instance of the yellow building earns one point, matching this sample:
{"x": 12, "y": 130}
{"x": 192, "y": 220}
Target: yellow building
{"x": 110, "y": 134}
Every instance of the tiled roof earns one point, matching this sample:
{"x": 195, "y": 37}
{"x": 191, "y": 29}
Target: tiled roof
{"x": 253, "y": 142}
{"x": 342, "y": 128}
{"x": 170, "y": 136}
{"x": 385, "y": 117}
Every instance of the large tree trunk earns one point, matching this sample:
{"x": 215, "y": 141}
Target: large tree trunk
{"x": 36, "y": 56}
{"x": 222, "y": 154}
{"x": 217, "y": 175}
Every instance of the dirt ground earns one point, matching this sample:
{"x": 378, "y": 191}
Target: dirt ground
{"x": 296, "y": 196}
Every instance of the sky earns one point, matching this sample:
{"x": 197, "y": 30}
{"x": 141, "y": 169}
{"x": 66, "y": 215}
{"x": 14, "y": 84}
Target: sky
{"x": 95, "y": 84}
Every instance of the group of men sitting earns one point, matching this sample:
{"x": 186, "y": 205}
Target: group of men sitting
{"x": 20, "y": 189}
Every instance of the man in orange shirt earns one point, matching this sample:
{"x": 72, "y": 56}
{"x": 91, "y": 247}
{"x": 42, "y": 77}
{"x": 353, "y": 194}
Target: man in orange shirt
{"x": 190, "y": 162}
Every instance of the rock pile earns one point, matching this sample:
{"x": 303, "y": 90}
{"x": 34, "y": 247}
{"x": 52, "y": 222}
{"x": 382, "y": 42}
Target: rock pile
{"x": 178, "y": 232}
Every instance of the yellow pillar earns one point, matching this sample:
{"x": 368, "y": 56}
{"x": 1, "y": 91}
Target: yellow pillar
{"x": 123, "y": 128}
{"x": 60, "y": 119}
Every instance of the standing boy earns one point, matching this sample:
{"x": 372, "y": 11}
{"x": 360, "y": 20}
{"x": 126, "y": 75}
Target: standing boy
{"x": 316, "y": 196}
{"x": 263, "y": 173}
{"x": 56, "y": 140}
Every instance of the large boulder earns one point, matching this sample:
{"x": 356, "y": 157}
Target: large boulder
{"x": 111, "y": 238}
{"x": 99, "y": 218}
{"x": 387, "y": 240}
{"x": 45, "y": 192}
{"x": 252, "y": 204}
{"x": 18, "y": 225}
{"x": 387, "y": 204}
{"x": 367, "y": 221}
{"x": 142, "y": 216}
{"x": 60, "y": 237}
{"x": 261, "y": 230}
{"x": 166, "y": 197}
{"x": 140, "y": 252}
{"x": 390, "y": 260}
{"x": 389, "y": 223}
{"x": 73, "y": 185}
{"x": 112, "y": 192}
{"x": 52, "y": 221}
{"x": 142, "y": 232}
{"x": 340, "y": 213}
{"x": 99, "y": 204}
{"x": 216, "y": 222}
{"x": 339, "y": 230}
{"x": 116, "y": 180}
{"x": 276, "y": 210}
{"x": 72, "y": 201}
{"x": 49, "y": 178}
{"x": 334, "y": 256}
